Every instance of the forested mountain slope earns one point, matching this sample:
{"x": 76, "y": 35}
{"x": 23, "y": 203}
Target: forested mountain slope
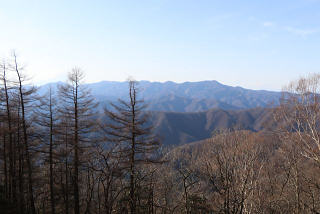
{"x": 181, "y": 128}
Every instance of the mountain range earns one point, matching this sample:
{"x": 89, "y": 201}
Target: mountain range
{"x": 191, "y": 111}
{"x": 185, "y": 97}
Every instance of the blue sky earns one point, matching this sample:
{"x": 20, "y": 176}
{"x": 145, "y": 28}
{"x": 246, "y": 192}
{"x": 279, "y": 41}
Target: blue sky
{"x": 258, "y": 44}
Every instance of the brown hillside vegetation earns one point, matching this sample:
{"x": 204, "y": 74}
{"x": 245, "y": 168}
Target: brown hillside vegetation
{"x": 243, "y": 172}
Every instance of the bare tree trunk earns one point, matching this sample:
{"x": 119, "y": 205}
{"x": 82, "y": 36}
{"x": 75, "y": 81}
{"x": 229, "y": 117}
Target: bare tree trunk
{"x": 20, "y": 166}
{"x": 25, "y": 138}
{"x": 76, "y": 155}
{"x": 12, "y": 191}
{"x": 66, "y": 176}
{"x": 21, "y": 183}
{"x": 99, "y": 199}
{"x": 133, "y": 152}
{"x": 50, "y": 155}
{"x": 132, "y": 182}
{"x": 5, "y": 166}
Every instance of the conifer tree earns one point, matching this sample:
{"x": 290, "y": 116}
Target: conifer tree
{"x": 78, "y": 107}
{"x": 128, "y": 128}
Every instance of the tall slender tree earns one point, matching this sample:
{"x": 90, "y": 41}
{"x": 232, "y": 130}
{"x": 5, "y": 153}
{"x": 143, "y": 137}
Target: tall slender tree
{"x": 47, "y": 120}
{"x": 78, "y": 106}
{"x": 25, "y": 96}
{"x": 8, "y": 120}
{"x": 136, "y": 144}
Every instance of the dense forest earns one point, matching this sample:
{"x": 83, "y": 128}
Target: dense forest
{"x": 60, "y": 154}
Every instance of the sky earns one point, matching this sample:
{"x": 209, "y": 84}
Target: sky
{"x": 257, "y": 44}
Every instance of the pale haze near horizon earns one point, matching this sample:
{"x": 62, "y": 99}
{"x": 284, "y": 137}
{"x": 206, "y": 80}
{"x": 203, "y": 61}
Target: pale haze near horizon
{"x": 253, "y": 44}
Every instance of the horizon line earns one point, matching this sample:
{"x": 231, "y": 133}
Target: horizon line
{"x": 163, "y": 82}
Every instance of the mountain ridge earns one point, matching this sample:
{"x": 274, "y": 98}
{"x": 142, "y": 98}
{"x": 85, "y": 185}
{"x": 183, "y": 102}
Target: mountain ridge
{"x": 184, "y": 97}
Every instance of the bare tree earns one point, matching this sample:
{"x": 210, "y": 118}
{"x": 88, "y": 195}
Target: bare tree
{"x": 298, "y": 119}
{"x": 189, "y": 180}
{"x": 25, "y": 96}
{"x": 8, "y": 118}
{"x": 78, "y": 106}
{"x": 299, "y": 112}
{"x": 233, "y": 169}
{"x": 47, "y": 119}
{"x": 136, "y": 145}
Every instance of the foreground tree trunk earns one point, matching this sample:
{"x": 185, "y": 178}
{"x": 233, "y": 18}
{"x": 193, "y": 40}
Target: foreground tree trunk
{"x": 46, "y": 112}
{"x": 25, "y": 138}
